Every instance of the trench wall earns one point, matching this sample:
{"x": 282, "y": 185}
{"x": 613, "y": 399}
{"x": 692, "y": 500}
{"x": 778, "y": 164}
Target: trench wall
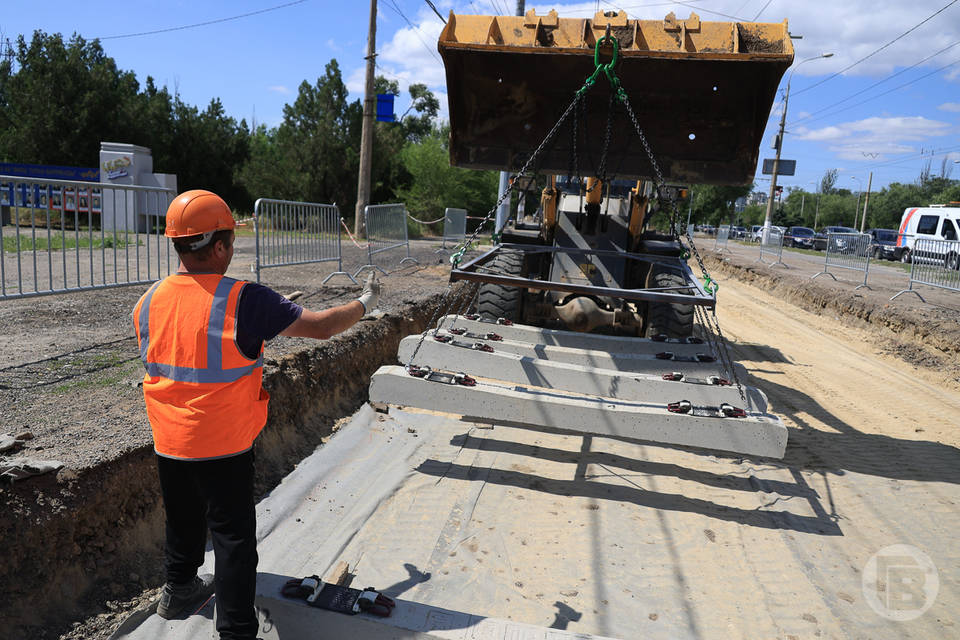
{"x": 72, "y": 541}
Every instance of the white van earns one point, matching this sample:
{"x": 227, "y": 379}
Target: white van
{"x": 935, "y": 222}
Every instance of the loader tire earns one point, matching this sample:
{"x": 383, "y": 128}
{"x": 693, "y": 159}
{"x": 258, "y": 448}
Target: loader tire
{"x": 498, "y": 301}
{"x": 665, "y": 318}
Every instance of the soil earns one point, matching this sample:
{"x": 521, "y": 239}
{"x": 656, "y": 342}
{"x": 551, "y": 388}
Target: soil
{"x": 86, "y": 540}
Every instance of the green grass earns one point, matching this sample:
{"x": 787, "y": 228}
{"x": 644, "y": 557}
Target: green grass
{"x": 98, "y": 371}
{"x": 66, "y": 241}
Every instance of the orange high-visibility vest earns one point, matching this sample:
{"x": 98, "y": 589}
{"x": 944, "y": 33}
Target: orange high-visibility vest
{"x": 204, "y": 396}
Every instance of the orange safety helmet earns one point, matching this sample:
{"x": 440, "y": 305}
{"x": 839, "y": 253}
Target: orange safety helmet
{"x": 198, "y": 212}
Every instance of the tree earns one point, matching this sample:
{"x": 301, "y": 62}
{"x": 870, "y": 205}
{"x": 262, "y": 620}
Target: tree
{"x": 65, "y": 98}
{"x": 713, "y": 204}
{"x": 321, "y": 138}
{"x": 829, "y": 181}
{"x": 436, "y": 185}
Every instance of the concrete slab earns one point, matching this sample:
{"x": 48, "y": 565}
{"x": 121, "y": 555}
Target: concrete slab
{"x": 634, "y": 362}
{"x": 538, "y": 407}
{"x": 527, "y": 370}
{"x": 571, "y": 339}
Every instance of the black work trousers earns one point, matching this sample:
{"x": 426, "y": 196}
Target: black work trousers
{"x": 214, "y": 494}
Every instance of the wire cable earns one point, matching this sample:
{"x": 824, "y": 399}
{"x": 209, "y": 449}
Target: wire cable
{"x": 875, "y": 84}
{"x": 876, "y": 51}
{"x": 762, "y": 9}
{"x": 879, "y": 95}
{"x": 393, "y": 5}
{"x": 434, "y": 7}
{"x": 202, "y": 24}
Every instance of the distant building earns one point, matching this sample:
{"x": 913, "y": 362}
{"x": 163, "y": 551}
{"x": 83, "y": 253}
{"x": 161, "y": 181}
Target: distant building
{"x": 757, "y": 198}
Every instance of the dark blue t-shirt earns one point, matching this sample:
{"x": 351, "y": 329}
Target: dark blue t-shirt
{"x": 262, "y": 314}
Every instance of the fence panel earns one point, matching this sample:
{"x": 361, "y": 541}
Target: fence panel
{"x": 290, "y": 233}
{"x": 847, "y": 251}
{"x": 771, "y": 246}
{"x": 61, "y": 235}
{"x": 934, "y": 263}
{"x": 454, "y": 227}
{"x": 723, "y": 235}
{"x": 386, "y": 230}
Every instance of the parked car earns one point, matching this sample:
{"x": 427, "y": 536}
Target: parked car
{"x": 883, "y": 243}
{"x": 738, "y": 232}
{"x": 757, "y": 234}
{"x": 934, "y": 223}
{"x": 820, "y": 239}
{"x": 799, "y": 237}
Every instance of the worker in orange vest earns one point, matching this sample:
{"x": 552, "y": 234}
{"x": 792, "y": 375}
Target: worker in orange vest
{"x": 201, "y": 338}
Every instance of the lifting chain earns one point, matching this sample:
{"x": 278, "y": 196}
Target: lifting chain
{"x": 461, "y": 249}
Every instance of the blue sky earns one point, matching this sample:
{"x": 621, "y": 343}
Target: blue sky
{"x": 254, "y": 64}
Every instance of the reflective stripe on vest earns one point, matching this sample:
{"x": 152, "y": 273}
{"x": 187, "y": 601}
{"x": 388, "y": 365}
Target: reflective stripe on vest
{"x": 214, "y": 371}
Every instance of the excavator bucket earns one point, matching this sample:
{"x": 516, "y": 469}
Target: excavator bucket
{"x": 701, "y": 91}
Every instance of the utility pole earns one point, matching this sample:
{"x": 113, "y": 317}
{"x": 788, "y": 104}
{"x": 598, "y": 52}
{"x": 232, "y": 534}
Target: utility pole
{"x": 778, "y": 144}
{"x": 366, "y": 133}
{"x": 803, "y": 197}
{"x": 866, "y": 200}
{"x": 503, "y": 211}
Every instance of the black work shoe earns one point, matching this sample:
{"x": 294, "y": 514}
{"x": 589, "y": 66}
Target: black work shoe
{"x": 175, "y": 598}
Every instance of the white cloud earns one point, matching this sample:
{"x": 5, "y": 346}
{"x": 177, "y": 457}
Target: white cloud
{"x": 874, "y": 137}
{"x": 953, "y": 107}
{"x": 279, "y": 88}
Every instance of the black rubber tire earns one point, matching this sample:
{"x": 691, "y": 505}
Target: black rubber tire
{"x": 905, "y": 256}
{"x": 664, "y": 318}
{"x": 497, "y": 301}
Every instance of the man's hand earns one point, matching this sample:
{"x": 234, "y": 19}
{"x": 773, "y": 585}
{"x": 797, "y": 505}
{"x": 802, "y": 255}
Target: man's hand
{"x": 370, "y": 296}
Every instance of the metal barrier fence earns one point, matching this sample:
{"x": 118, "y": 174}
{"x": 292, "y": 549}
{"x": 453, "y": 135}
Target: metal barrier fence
{"x": 771, "y": 244}
{"x": 454, "y": 227}
{"x": 289, "y": 233}
{"x": 61, "y": 235}
{"x": 847, "y": 251}
{"x": 386, "y": 230}
{"x": 723, "y": 235}
{"x": 934, "y": 263}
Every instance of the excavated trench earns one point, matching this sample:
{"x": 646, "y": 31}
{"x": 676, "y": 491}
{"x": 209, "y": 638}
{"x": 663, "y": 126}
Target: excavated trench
{"x": 75, "y": 540}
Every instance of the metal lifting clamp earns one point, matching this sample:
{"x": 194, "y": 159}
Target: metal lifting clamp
{"x": 461, "y": 331}
{"x": 477, "y": 318}
{"x": 662, "y": 337}
{"x": 444, "y": 377}
{"x": 676, "y": 376}
{"x": 476, "y": 346}
{"x": 332, "y": 597}
{"x": 723, "y": 411}
{"x": 670, "y": 355}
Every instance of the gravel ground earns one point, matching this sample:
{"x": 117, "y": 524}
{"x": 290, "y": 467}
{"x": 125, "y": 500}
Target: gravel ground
{"x": 70, "y": 372}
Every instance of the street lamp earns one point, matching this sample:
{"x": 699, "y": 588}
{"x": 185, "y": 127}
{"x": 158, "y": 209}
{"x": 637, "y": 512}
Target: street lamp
{"x": 856, "y": 213}
{"x": 779, "y": 143}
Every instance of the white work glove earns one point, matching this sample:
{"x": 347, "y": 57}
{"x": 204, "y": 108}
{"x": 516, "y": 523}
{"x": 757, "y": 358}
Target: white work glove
{"x": 370, "y": 296}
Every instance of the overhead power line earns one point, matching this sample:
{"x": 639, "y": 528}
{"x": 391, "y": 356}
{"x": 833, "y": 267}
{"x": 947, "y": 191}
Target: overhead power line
{"x": 878, "y": 50}
{"x": 875, "y": 84}
{"x": 393, "y": 5}
{"x": 880, "y": 95}
{"x": 202, "y": 24}
{"x": 434, "y": 7}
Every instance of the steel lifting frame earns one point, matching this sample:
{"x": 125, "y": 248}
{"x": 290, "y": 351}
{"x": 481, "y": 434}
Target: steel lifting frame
{"x": 699, "y": 295}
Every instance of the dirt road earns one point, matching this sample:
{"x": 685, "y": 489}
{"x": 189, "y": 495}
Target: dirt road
{"x": 873, "y": 452}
